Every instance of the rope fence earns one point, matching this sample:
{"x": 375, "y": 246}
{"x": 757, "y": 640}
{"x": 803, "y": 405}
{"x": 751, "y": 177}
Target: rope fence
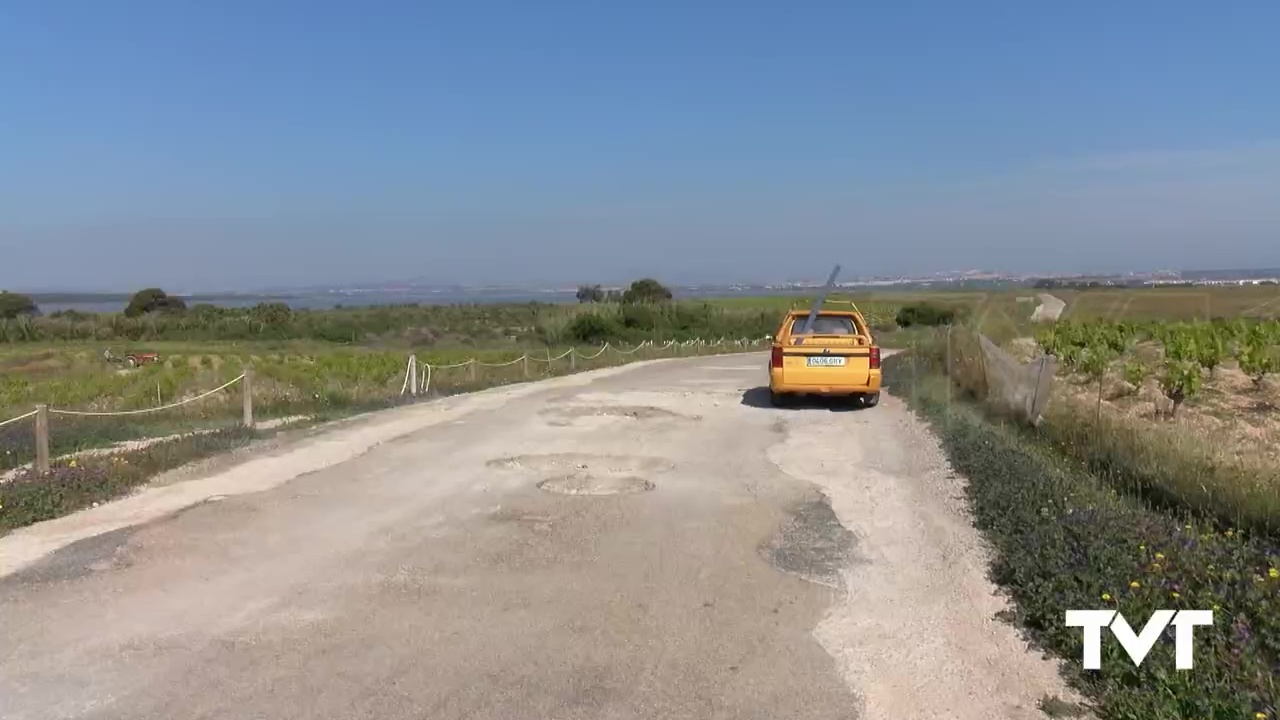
{"x": 144, "y": 411}
{"x": 42, "y": 413}
{"x": 417, "y": 380}
{"x": 418, "y": 374}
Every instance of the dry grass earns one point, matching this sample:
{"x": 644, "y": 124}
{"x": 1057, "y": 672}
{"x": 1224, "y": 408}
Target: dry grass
{"x": 1173, "y": 303}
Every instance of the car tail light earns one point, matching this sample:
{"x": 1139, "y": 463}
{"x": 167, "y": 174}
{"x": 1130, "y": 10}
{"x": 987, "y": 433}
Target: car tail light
{"x": 775, "y": 357}
{"x": 875, "y": 358}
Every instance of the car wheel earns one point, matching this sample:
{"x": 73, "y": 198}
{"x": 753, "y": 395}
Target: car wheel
{"x": 871, "y": 399}
{"x": 778, "y": 399}
{"x": 131, "y": 362}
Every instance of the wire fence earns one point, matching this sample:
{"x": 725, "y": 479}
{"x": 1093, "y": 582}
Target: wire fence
{"x": 1015, "y": 387}
{"x": 418, "y": 377}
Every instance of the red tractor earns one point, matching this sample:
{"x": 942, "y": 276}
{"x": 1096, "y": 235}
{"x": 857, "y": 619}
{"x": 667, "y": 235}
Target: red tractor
{"x": 133, "y": 359}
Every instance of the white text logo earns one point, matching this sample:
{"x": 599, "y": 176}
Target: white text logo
{"x": 1138, "y": 644}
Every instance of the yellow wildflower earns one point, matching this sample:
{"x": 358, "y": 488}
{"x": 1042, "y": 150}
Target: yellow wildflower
{"x": 1273, "y": 573}
{"x": 1260, "y": 716}
{"x": 1135, "y": 584}
{"x": 1210, "y": 568}
{"x": 1175, "y": 595}
{"x": 1106, "y": 596}
{"x": 1155, "y": 567}
{"x": 1229, "y": 532}
{"x": 1142, "y": 547}
{"x": 1159, "y": 556}
{"x": 1217, "y": 607}
{"x": 71, "y": 464}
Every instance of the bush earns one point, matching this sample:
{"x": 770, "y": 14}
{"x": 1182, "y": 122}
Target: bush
{"x": 925, "y": 314}
{"x": 646, "y": 290}
{"x": 13, "y": 305}
{"x": 590, "y": 294}
{"x": 592, "y": 329}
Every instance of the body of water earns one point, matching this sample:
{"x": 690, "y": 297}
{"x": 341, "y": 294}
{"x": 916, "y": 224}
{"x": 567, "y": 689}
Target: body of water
{"x": 329, "y": 300}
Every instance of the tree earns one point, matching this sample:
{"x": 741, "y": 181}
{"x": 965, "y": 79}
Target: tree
{"x": 590, "y": 293}
{"x": 153, "y": 300}
{"x": 271, "y": 313}
{"x": 13, "y": 305}
{"x": 646, "y": 290}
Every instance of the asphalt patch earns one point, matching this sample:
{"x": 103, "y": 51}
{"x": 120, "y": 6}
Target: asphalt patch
{"x": 99, "y": 553}
{"x": 812, "y": 543}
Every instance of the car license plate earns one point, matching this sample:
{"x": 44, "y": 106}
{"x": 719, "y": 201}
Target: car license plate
{"x": 824, "y": 361}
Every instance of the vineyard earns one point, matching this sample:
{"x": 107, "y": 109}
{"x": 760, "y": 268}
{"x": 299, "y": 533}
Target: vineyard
{"x": 1179, "y": 356}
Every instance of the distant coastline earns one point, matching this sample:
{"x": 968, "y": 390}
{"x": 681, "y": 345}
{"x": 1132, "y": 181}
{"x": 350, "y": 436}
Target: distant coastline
{"x": 402, "y": 294}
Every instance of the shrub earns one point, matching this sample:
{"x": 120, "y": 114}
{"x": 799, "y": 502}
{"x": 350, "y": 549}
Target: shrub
{"x": 1257, "y": 359}
{"x": 925, "y": 314}
{"x": 646, "y": 290}
{"x": 1135, "y": 373}
{"x": 1181, "y": 380}
{"x": 592, "y": 329}
{"x": 590, "y": 294}
{"x": 13, "y": 305}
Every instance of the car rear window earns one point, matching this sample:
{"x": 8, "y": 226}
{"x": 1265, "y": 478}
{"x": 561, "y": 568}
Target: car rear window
{"x": 825, "y": 325}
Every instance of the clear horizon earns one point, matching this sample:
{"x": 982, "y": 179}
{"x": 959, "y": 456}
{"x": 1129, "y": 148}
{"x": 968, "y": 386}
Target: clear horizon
{"x": 244, "y": 146}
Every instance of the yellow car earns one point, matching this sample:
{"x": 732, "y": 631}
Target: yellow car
{"x": 836, "y": 356}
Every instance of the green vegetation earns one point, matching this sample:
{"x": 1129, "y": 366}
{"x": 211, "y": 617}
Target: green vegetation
{"x": 1188, "y": 350}
{"x": 925, "y": 314}
{"x": 153, "y": 300}
{"x": 14, "y": 305}
{"x": 77, "y": 483}
{"x": 1069, "y": 534}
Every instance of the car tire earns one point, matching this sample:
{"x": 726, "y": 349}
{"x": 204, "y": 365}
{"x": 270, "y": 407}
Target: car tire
{"x": 871, "y": 399}
{"x": 778, "y": 399}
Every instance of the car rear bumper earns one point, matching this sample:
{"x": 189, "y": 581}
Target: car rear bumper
{"x": 778, "y": 384}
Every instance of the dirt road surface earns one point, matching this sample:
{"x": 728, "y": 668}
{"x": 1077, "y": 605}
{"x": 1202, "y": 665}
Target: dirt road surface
{"x": 644, "y": 542}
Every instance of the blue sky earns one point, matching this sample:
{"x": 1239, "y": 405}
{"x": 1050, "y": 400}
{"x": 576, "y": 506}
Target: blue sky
{"x": 236, "y": 144}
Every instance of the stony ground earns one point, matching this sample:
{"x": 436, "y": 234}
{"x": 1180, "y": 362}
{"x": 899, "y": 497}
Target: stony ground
{"x": 644, "y": 542}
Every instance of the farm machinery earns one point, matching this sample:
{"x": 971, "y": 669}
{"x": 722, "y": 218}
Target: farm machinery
{"x": 132, "y": 359}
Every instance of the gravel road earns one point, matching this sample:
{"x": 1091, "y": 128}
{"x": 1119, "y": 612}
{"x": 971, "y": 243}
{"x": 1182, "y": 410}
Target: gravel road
{"x": 652, "y": 541}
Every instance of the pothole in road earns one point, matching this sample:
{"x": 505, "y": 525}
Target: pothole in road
{"x": 581, "y": 474}
{"x": 584, "y": 483}
{"x": 562, "y": 416}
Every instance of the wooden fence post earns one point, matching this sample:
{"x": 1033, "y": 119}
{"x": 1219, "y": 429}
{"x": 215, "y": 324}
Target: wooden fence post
{"x": 573, "y": 358}
{"x": 248, "y": 396}
{"x": 471, "y": 369}
{"x": 42, "y": 439}
{"x": 413, "y": 374}
{"x": 524, "y": 364}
